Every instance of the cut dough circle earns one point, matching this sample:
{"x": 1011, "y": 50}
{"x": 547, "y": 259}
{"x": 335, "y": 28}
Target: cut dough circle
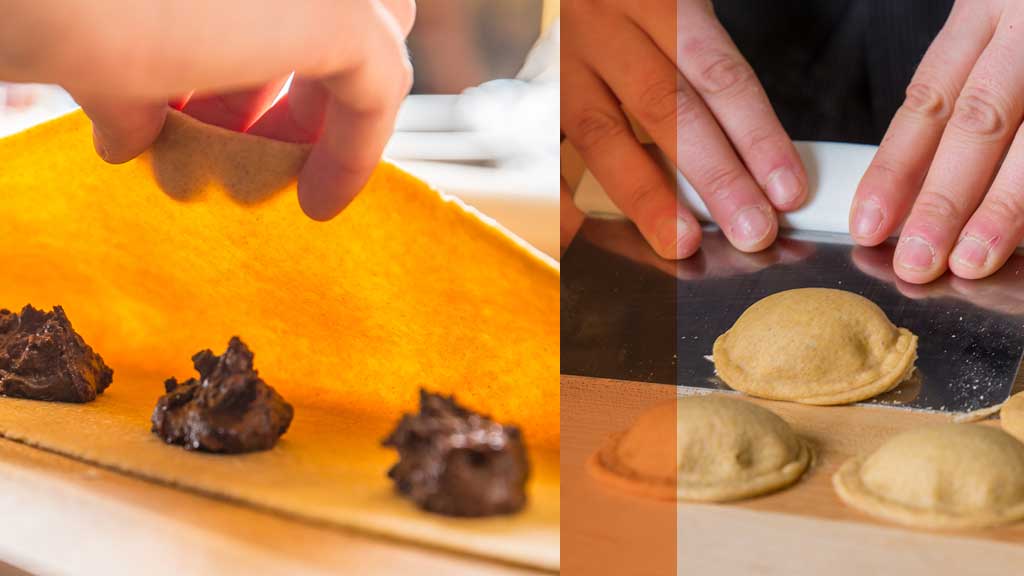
{"x": 940, "y": 476}
{"x": 724, "y": 449}
{"x": 814, "y": 346}
{"x": 1011, "y": 415}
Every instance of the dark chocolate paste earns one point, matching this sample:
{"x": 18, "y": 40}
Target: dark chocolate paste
{"x": 456, "y": 462}
{"x": 229, "y": 409}
{"x": 43, "y": 358}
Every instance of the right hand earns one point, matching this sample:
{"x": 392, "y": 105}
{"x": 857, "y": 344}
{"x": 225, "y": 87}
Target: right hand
{"x": 124, "y": 60}
{"x": 705, "y": 110}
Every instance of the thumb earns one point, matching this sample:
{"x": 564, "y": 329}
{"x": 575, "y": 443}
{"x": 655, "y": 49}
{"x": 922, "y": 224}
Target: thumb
{"x": 121, "y": 129}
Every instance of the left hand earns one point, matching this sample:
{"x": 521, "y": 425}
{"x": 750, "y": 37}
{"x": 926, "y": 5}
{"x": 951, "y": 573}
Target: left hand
{"x": 942, "y": 159}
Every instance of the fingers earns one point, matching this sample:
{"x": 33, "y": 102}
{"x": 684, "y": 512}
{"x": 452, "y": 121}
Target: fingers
{"x": 122, "y": 129}
{"x": 298, "y": 116}
{"x": 710, "y": 61}
{"x": 149, "y": 59}
{"x": 359, "y": 119}
{"x": 179, "y": 102}
{"x": 982, "y": 124}
{"x": 236, "y": 110}
{"x": 358, "y": 47}
{"x": 350, "y": 116}
{"x": 649, "y": 85}
{"x": 592, "y": 120}
{"x": 898, "y": 169}
{"x": 996, "y": 229}
{"x": 404, "y": 13}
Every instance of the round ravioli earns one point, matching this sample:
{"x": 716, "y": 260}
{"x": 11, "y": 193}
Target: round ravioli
{"x": 814, "y": 346}
{"x": 941, "y": 476}
{"x": 702, "y": 448}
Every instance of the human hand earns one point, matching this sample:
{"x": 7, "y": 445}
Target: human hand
{"x": 952, "y": 156}
{"x": 707, "y": 112}
{"x": 717, "y": 259}
{"x": 123, "y": 61}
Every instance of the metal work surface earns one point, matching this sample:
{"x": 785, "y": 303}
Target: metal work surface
{"x": 629, "y": 315}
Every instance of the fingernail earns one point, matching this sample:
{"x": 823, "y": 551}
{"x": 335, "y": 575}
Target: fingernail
{"x": 971, "y": 251}
{"x": 100, "y": 143}
{"x": 868, "y": 219}
{"x": 915, "y": 253}
{"x": 783, "y": 186}
{"x": 750, "y": 225}
{"x": 670, "y": 234}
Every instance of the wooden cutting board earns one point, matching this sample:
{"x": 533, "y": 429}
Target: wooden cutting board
{"x": 61, "y": 515}
{"x": 803, "y": 530}
{"x": 328, "y": 468}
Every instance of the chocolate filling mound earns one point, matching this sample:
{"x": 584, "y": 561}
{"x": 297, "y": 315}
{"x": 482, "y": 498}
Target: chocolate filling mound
{"x": 43, "y": 358}
{"x": 229, "y": 409}
{"x": 456, "y": 462}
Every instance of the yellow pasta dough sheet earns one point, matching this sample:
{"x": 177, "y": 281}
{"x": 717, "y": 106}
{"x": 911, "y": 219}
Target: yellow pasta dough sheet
{"x": 202, "y": 238}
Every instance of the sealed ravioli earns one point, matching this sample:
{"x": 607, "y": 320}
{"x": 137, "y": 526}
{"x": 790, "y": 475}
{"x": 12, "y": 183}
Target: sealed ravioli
{"x": 815, "y": 346}
{"x": 703, "y": 448}
{"x": 940, "y": 476}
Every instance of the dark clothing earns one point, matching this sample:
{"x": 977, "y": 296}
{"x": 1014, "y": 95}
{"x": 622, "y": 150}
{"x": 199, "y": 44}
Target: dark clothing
{"x": 834, "y": 69}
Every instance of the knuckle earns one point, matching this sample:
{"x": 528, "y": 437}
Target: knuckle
{"x": 763, "y": 140}
{"x": 720, "y": 182}
{"x": 883, "y": 169}
{"x": 640, "y": 199}
{"x": 408, "y": 14}
{"x": 594, "y": 127}
{"x": 725, "y": 73}
{"x": 926, "y": 100}
{"x": 402, "y": 68}
{"x": 693, "y": 47}
{"x": 665, "y": 101}
{"x": 938, "y": 208}
{"x": 980, "y": 113}
{"x": 888, "y": 175}
{"x": 406, "y": 77}
{"x": 1006, "y": 207}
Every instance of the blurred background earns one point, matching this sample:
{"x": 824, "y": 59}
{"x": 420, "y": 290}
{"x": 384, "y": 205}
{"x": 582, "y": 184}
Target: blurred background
{"x": 482, "y": 120}
{"x": 457, "y": 44}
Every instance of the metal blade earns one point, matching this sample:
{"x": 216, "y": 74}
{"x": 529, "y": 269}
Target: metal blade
{"x": 628, "y": 314}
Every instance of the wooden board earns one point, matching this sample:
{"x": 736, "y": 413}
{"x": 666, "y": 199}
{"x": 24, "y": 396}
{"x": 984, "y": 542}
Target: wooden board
{"x": 60, "y": 515}
{"x": 803, "y": 530}
{"x": 329, "y": 468}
